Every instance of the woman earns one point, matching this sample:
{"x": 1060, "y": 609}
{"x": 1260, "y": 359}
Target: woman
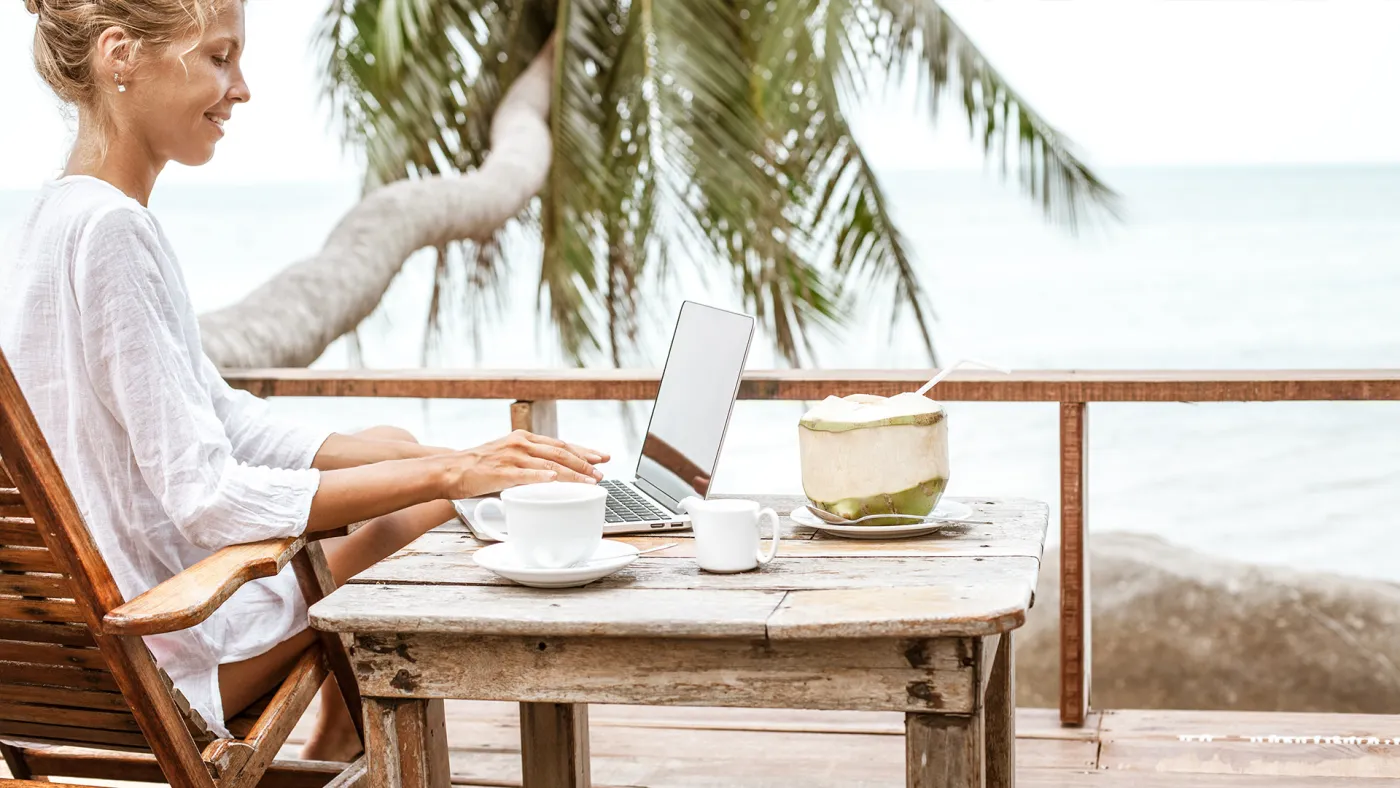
{"x": 166, "y": 461}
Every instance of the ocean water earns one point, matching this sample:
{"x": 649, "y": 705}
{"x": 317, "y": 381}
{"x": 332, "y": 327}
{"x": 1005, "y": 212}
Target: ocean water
{"x": 1216, "y": 268}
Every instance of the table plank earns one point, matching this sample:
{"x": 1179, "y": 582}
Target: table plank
{"x": 1011, "y": 526}
{"x": 444, "y": 559}
{"x": 924, "y": 611}
{"x": 489, "y": 610}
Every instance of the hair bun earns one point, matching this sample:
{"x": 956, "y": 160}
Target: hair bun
{"x": 33, "y": 5}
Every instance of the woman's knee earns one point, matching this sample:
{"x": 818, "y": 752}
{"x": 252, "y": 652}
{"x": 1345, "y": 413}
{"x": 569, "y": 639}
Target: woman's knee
{"x": 385, "y": 432}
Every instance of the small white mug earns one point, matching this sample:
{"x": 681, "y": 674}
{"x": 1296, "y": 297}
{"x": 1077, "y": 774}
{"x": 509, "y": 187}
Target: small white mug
{"x": 727, "y": 535}
{"x": 550, "y": 525}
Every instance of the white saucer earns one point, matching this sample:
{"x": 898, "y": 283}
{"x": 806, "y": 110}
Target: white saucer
{"x": 944, "y": 513}
{"x": 500, "y": 559}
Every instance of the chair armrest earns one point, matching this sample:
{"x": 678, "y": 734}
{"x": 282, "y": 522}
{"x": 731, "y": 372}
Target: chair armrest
{"x": 193, "y": 595}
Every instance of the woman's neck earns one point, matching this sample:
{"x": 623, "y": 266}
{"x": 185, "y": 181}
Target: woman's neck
{"x": 128, "y": 163}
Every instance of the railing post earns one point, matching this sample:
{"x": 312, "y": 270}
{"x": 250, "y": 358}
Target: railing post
{"x": 1075, "y": 646}
{"x": 540, "y": 417}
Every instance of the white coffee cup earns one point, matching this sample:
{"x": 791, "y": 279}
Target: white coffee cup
{"x": 727, "y": 533}
{"x": 550, "y": 525}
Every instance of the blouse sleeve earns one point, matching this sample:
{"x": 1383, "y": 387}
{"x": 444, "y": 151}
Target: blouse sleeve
{"x": 136, "y": 348}
{"x": 257, "y": 436}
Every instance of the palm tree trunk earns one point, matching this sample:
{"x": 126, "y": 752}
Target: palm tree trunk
{"x": 290, "y": 320}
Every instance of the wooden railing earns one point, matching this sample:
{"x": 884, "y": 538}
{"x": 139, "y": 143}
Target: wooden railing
{"x": 534, "y": 393}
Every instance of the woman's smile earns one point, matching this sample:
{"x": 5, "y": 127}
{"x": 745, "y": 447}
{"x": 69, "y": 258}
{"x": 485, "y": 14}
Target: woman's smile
{"x": 217, "y": 120}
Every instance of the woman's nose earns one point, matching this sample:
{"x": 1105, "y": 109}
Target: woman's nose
{"x": 240, "y": 92}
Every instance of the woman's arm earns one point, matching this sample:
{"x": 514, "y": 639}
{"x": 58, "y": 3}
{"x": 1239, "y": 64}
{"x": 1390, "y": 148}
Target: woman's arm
{"x": 349, "y": 495}
{"x": 141, "y": 352}
{"x": 351, "y": 451}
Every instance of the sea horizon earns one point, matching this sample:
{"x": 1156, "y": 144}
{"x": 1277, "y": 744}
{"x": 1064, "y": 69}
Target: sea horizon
{"x": 1235, "y": 267}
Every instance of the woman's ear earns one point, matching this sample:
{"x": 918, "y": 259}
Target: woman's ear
{"x": 115, "y": 59}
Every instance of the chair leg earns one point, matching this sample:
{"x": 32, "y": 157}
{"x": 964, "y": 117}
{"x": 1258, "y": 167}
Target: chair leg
{"x": 356, "y": 776}
{"x": 14, "y": 759}
{"x": 314, "y": 577}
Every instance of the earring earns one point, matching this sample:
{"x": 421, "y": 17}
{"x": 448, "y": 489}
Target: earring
{"x": 121, "y": 88}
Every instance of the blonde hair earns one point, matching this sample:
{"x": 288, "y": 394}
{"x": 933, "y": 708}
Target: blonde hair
{"x": 64, "y": 41}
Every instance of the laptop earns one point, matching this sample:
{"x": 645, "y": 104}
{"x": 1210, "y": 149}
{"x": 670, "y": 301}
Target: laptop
{"x": 689, "y": 419}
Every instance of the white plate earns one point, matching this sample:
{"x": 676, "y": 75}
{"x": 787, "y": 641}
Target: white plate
{"x": 500, "y": 559}
{"x": 944, "y": 513}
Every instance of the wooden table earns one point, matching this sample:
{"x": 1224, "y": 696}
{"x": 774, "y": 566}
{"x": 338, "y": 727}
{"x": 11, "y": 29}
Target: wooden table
{"x": 921, "y": 626}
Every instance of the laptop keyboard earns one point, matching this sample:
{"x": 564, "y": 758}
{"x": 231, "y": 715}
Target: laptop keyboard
{"x": 626, "y": 506}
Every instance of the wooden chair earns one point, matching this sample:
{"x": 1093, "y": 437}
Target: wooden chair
{"x": 74, "y": 671}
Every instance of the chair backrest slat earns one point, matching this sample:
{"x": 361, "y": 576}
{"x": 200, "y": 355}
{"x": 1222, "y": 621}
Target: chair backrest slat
{"x": 61, "y": 682}
{"x": 19, "y": 532}
{"x": 55, "y": 686}
{"x": 46, "y": 632}
{"x": 63, "y": 696}
{"x": 54, "y": 587}
{"x": 40, "y": 609}
{"x": 67, "y": 735}
{"x": 46, "y": 714}
{"x": 27, "y": 559}
{"x": 49, "y": 654}
{"x": 58, "y": 676}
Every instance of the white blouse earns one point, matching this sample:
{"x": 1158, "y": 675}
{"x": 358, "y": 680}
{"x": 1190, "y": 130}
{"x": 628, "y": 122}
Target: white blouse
{"x": 166, "y": 461}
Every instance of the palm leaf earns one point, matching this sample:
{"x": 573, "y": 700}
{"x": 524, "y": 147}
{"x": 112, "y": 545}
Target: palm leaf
{"x": 717, "y": 124}
{"x": 921, "y": 33}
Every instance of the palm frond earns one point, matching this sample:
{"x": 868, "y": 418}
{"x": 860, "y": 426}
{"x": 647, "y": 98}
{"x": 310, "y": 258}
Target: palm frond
{"x": 719, "y": 125}
{"x": 921, "y": 33}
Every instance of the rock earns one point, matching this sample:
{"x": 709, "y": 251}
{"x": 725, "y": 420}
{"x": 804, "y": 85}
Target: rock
{"x": 1174, "y": 628}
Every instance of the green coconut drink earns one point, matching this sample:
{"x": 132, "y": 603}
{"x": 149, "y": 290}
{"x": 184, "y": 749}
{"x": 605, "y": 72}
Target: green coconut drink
{"x": 865, "y": 455}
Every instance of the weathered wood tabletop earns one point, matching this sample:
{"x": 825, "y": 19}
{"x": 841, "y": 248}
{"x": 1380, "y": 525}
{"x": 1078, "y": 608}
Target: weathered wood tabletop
{"x": 918, "y": 625}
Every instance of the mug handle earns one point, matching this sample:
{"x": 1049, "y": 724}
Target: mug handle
{"x": 773, "y": 547}
{"x": 478, "y": 523}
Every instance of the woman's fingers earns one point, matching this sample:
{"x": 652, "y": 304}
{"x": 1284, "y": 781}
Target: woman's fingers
{"x": 533, "y": 476}
{"x": 567, "y": 459}
{"x": 591, "y": 455}
{"x": 563, "y": 472}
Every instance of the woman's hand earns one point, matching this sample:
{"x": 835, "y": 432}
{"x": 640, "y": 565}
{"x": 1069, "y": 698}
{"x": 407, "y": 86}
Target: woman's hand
{"x": 519, "y": 458}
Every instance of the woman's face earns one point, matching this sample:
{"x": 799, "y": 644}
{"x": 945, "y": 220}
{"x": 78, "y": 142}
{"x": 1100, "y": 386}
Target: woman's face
{"x": 178, "y": 99}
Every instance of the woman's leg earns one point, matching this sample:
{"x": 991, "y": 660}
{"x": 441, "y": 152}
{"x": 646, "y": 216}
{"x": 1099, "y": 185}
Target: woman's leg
{"x": 241, "y": 683}
{"x": 333, "y": 737}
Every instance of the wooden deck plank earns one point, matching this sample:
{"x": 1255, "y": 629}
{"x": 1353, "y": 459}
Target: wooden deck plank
{"x": 765, "y": 748}
{"x": 1153, "y": 723}
{"x": 1058, "y": 778}
{"x": 626, "y": 755}
{"x": 1150, "y": 740}
{"x": 1235, "y": 757}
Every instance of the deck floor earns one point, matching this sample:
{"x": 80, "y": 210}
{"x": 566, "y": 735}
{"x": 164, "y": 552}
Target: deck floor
{"x": 760, "y": 748}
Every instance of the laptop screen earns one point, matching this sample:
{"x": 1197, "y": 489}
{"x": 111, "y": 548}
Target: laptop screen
{"x": 698, "y": 387}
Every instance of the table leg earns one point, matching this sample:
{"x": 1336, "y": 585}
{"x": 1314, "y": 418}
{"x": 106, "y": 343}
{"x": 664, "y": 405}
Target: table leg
{"x": 554, "y": 745}
{"x": 1001, "y": 718}
{"x": 406, "y": 743}
{"x": 944, "y": 751}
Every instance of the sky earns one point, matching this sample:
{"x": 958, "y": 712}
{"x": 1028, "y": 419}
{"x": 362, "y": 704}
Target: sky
{"x": 1131, "y": 83}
